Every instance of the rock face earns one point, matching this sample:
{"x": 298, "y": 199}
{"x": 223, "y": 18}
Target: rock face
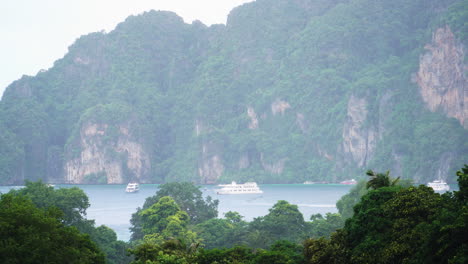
{"x": 279, "y": 107}
{"x": 274, "y": 167}
{"x": 116, "y": 160}
{"x": 244, "y": 161}
{"x": 441, "y": 76}
{"x": 301, "y": 122}
{"x": 253, "y": 118}
{"x": 444, "y": 165}
{"x": 210, "y": 166}
{"x": 359, "y": 141}
{"x": 210, "y": 163}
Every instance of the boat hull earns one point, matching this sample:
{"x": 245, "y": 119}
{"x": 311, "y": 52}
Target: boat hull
{"x": 243, "y": 192}
{"x": 234, "y": 188}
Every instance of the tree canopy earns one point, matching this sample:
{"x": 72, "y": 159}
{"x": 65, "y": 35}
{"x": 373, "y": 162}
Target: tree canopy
{"x": 188, "y": 199}
{"x": 397, "y": 224}
{"x": 29, "y": 234}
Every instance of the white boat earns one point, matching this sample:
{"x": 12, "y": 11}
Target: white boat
{"x": 439, "y": 185}
{"x": 234, "y": 188}
{"x": 317, "y": 182}
{"x": 132, "y": 187}
{"x": 349, "y": 182}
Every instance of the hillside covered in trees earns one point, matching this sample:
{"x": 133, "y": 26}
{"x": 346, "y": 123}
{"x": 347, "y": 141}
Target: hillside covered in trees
{"x": 286, "y": 91}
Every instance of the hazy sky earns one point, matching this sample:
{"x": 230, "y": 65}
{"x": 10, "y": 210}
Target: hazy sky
{"x": 35, "y": 33}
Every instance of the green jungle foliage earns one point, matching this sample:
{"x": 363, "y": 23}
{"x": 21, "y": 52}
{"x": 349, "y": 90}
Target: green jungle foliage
{"x": 392, "y": 223}
{"x": 57, "y": 210}
{"x": 168, "y": 215}
{"x": 29, "y": 234}
{"x": 184, "y": 197}
{"x": 184, "y": 91}
{"x": 395, "y": 224}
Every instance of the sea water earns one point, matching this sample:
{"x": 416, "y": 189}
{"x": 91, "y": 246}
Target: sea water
{"x": 113, "y": 207}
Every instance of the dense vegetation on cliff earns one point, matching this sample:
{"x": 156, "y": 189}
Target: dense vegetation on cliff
{"x": 286, "y": 91}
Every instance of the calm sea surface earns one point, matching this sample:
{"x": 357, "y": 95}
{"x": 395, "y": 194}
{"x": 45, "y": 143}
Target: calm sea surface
{"x": 111, "y": 206}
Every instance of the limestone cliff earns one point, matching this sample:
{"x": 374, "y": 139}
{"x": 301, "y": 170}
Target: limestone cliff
{"x": 106, "y": 155}
{"x": 279, "y": 106}
{"x": 359, "y": 139}
{"x": 253, "y": 118}
{"x": 441, "y": 76}
{"x": 211, "y": 166}
{"x": 210, "y": 163}
{"x": 273, "y": 167}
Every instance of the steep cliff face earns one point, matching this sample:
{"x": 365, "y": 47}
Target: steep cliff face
{"x": 276, "y": 167}
{"x": 211, "y": 166}
{"x": 359, "y": 139}
{"x": 270, "y": 90}
{"x": 106, "y": 158}
{"x": 441, "y": 77}
{"x": 253, "y": 118}
{"x": 279, "y": 107}
{"x": 210, "y": 163}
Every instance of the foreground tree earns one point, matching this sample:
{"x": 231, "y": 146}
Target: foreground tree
{"x": 32, "y": 235}
{"x": 164, "y": 220}
{"x": 281, "y": 252}
{"x": 115, "y": 250}
{"x": 379, "y": 180}
{"x": 223, "y": 233}
{"x": 320, "y": 226}
{"x": 283, "y": 222}
{"x": 395, "y": 224}
{"x": 346, "y": 203}
{"x": 188, "y": 197}
{"x": 72, "y": 203}
{"x": 172, "y": 251}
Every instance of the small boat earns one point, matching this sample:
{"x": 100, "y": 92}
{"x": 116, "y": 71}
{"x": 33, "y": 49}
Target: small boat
{"x": 349, "y": 182}
{"x": 439, "y": 185}
{"x": 132, "y": 187}
{"x": 234, "y": 188}
{"x": 317, "y": 182}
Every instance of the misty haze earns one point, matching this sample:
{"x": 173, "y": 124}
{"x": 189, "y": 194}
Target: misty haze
{"x": 300, "y": 131}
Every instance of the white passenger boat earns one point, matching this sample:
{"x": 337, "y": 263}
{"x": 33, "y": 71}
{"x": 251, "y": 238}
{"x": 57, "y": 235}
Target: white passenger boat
{"x": 234, "y": 188}
{"x": 439, "y": 185}
{"x": 132, "y": 187}
{"x": 349, "y": 182}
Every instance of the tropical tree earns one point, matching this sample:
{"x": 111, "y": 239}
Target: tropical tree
{"x": 29, "y": 234}
{"x": 379, "y": 180}
{"x": 235, "y": 255}
{"x": 73, "y": 202}
{"x": 462, "y": 193}
{"x": 281, "y": 252}
{"x": 324, "y": 226}
{"x": 347, "y": 202}
{"x": 114, "y": 250}
{"x": 220, "y": 233}
{"x": 172, "y": 251}
{"x": 188, "y": 197}
{"x": 283, "y": 222}
{"x": 164, "y": 220}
